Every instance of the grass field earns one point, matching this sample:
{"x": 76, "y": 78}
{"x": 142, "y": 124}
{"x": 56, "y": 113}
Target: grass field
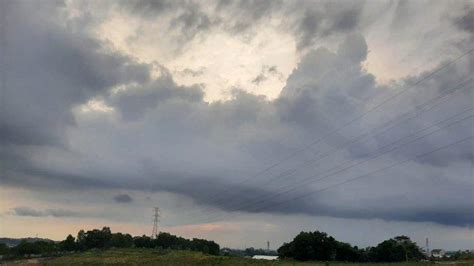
{"x": 156, "y": 257}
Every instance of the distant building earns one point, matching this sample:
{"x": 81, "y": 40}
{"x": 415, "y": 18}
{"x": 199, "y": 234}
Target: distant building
{"x": 438, "y": 253}
{"x": 264, "y": 257}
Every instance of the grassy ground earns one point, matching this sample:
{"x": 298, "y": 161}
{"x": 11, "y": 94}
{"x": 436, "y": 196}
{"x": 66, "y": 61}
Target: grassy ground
{"x": 172, "y": 258}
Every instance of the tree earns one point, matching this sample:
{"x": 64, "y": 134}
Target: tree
{"x": 310, "y": 246}
{"x": 4, "y": 249}
{"x": 399, "y": 248}
{"x": 143, "y": 242}
{"x": 387, "y": 251}
{"x": 345, "y": 252}
{"x": 81, "y": 240}
{"x": 38, "y": 247}
{"x": 286, "y": 250}
{"x": 69, "y": 244}
{"x": 319, "y": 246}
{"x": 94, "y": 238}
{"x": 120, "y": 240}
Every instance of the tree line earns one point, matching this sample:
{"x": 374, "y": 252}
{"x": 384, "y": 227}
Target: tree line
{"x": 104, "y": 238}
{"x": 319, "y": 246}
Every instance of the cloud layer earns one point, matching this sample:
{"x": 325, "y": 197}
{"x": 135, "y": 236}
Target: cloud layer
{"x": 79, "y": 115}
{"x": 26, "y": 211}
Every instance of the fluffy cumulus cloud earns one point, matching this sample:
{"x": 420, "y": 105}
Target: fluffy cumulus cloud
{"x": 80, "y": 114}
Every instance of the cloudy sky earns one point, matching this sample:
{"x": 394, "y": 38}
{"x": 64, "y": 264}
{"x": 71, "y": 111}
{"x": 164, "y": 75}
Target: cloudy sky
{"x": 244, "y": 121}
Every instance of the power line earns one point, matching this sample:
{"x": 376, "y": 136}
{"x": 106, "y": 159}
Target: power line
{"x": 397, "y": 120}
{"x": 379, "y": 170}
{"x": 360, "y": 176}
{"x": 373, "y": 157}
{"x": 401, "y": 118}
{"x": 358, "y": 117}
{"x": 311, "y": 178}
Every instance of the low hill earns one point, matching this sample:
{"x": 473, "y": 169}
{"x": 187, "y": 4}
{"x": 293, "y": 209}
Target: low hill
{"x": 11, "y": 242}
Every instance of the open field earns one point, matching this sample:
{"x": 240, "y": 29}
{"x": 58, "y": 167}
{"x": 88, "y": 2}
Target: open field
{"x": 155, "y": 257}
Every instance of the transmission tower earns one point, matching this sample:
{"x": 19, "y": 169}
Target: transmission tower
{"x": 427, "y": 248}
{"x": 156, "y": 217}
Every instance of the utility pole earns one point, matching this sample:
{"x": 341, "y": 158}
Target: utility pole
{"x": 156, "y": 217}
{"x": 268, "y": 245}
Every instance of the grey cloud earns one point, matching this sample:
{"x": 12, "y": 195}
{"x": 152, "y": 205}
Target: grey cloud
{"x": 192, "y": 21}
{"x": 314, "y": 21}
{"x": 265, "y": 73}
{"x": 308, "y": 28}
{"x": 27, "y": 211}
{"x": 43, "y": 82}
{"x": 245, "y": 14}
{"x": 326, "y": 86}
{"x": 187, "y": 17}
{"x": 192, "y": 72}
{"x": 347, "y": 21}
{"x": 152, "y": 7}
{"x": 354, "y": 48}
{"x": 167, "y": 138}
{"x": 136, "y": 100}
{"x": 466, "y": 21}
{"x": 123, "y": 198}
{"x": 258, "y": 79}
{"x": 60, "y": 213}
{"x": 306, "y": 20}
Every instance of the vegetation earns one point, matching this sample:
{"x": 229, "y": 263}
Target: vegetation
{"x": 101, "y": 246}
{"x": 4, "y": 250}
{"x": 461, "y": 255}
{"x": 171, "y": 258}
{"x": 319, "y": 246}
{"x": 400, "y": 248}
{"x": 32, "y": 248}
{"x": 101, "y": 239}
{"x": 12, "y": 242}
{"x": 169, "y": 241}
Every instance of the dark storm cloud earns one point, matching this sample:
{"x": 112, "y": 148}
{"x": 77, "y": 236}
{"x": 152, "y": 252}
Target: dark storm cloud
{"x": 161, "y": 136}
{"x": 123, "y": 198}
{"x": 466, "y": 21}
{"x": 453, "y": 216}
{"x": 48, "y": 70}
{"x": 27, "y": 211}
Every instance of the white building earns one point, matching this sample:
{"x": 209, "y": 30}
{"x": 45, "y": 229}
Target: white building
{"x": 438, "y": 253}
{"x": 264, "y": 257}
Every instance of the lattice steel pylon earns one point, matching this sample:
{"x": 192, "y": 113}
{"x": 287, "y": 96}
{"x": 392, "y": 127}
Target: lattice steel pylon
{"x": 156, "y": 217}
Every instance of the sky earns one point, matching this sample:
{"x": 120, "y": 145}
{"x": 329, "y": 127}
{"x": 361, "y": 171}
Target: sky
{"x": 243, "y": 121}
